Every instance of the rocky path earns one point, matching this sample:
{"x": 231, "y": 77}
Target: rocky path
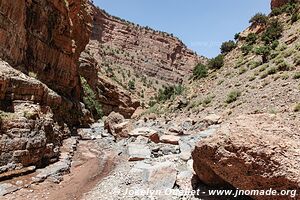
{"x": 156, "y": 156}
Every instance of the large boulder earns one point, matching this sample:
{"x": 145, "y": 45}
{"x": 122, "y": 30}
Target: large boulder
{"x": 113, "y": 119}
{"x": 255, "y": 152}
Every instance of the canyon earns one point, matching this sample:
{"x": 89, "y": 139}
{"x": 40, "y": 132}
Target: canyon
{"x": 92, "y": 101}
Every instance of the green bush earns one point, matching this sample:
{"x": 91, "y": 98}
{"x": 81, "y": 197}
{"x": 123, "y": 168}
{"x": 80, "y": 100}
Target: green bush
{"x": 296, "y": 75}
{"x": 283, "y": 67}
{"x": 200, "y": 71}
{"x": 131, "y": 85}
{"x": 251, "y": 38}
{"x": 288, "y": 8}
{"x": 264, "y": 51}
{"x": 246, "y": 49}
{"x": 217, "y": 62}
{"x": 237, "y": 36}
{"x": 295, "y": 17}
{"x": 297, "y": 59}
{"x": 274, "y": 44}
{"x": 228, "y": 46}
{"x": 273, "y": 32}
{"x": 297, "y": 107}
{"x": 259, "y": 18}
{"x": 168, "y": 92}
{"x": 272, "y": 70}
{"x": 233, "y": 96}
{"x": 90, "y": 99}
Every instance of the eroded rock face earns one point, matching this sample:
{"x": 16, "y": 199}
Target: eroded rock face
{"x": 40, "y": 91}
{"x": 29, "y": 134}
{"x": 112, "y": 97}
{"x": 149, "y": 52}
{"x": 39, "y": 37}
{"x": 279, "y": 3}
{"x": 251, "y": 152}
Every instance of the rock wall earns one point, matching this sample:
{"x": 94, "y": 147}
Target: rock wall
{"x": 40, "y": 90}
{"x": 145, "y": 50}
{"x": 29, "y": 134}
{"x": 45, "y": 37}
{"x": 111, "y": 96}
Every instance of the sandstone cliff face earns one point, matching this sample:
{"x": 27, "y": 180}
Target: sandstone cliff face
{"x": 45, "y": 37}
{"x": 111, "y": 96}
{"x": 127, "y": 52}
{"x": 147, "y": 51}
{"x": 40, "y": 91}
{"x": 29, "y": 134}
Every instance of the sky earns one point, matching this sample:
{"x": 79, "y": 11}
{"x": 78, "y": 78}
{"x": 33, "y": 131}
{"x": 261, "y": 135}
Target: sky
{"x": 201, "y": 24}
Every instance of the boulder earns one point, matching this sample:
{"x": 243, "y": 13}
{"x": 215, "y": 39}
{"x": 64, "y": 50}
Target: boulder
{"x": 251, "y": 152}
{"x": 212, "y": 119}
{"x": 113, "y": 119}
{"x": 184, "y": 180}
{"x": 123, "y": 129}
{"x": 146, "y": 132}
{"x": 138, "y": 152}
{"x": 85, "y": 134}
{"x": 161, "y": 176}
{"x": 170, "y": 139}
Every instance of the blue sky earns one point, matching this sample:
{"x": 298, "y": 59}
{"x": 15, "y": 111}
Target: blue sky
{"x": 201, "y": 24}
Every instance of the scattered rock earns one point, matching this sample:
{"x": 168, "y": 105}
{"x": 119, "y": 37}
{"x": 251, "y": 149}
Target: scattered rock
{"x": 6, "y": 188}
{"x": 212, "y": 119}
{"x": 183, "y": 180}
{"x": 85, "y": 134}
{"x": 123, "y": 129}
{"x": 138, "y": 152}
{"x": 146, "y": 132}
{"x": 161, "y": 176}
{"x": 170, "y": 139}
{"x": 176, "y": 130}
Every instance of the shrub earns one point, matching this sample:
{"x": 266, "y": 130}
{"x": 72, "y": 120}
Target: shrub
{"x": 297, "y": 107}
{"x": 32, "y": 75}
{"x": 283, "y": 67}
{"x": 251, "y": 38}
{"x": 289, "y": 8}
{"x": 274, "y": 44}
{"x": 264, "y": 51}
{"x": 288, "y": 53}
{"x": 233, "y": 96}
{"x": 242, "y": 70}
{"x": 297, "y": 59}
{"x": 264, "y": 75}
{"x": 207, "y": 100}
{"x": 228, "y": 46}
{"x": 295, "y": 17}
{"x": 273, "y": 32}
{"x": 200, "y": 71}
{"x": 254, "y": 64}
{"x": 296, "y": 75}
{"x": 237, "y": 36}
{"x": 272, "y": 70}
{"x": 90, "y": 100}
{"x": 131, "y": 85}
{"x": 246, "y": 49}
{"x": 259, "y": 18}
{"x": 168, "y": 92}
{"x": 217, "y": 62}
